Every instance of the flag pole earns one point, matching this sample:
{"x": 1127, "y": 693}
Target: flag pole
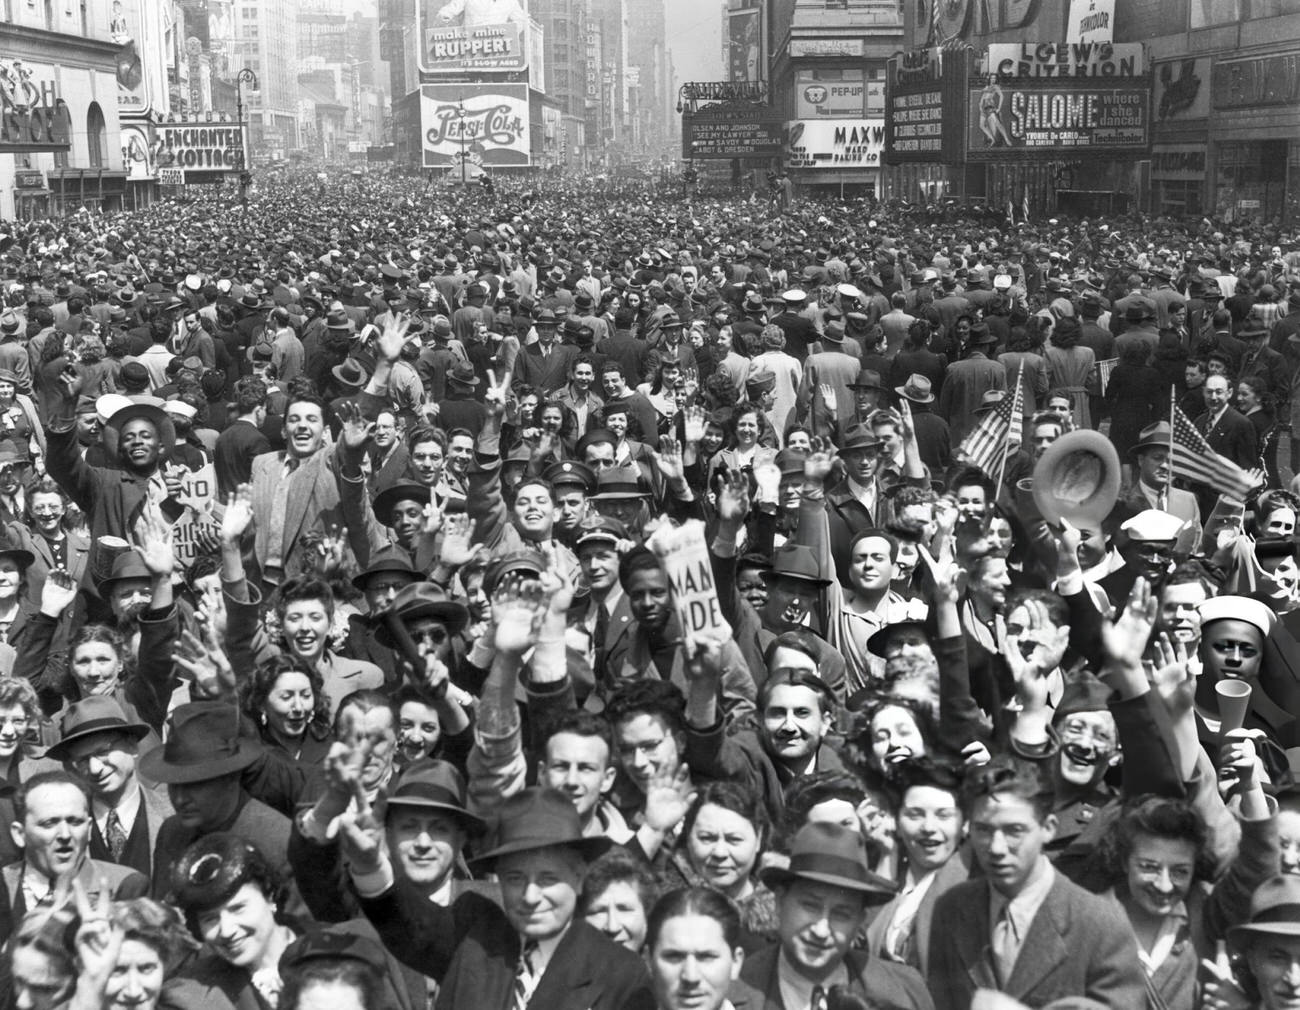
{"x": 1169, "y": 475}
{"x": 1006, "y": 448}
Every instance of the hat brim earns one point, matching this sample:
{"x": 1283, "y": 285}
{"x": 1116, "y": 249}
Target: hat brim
{"x": 162, "y": 422}
{"x": 21, "y": 557}
{"x": 619, "y": 495}
{"x": 589, "y": 848}
{"x": 876, "y": 643}
{"x": 338, "y": 372}
{"x": 769, "y": 574}
{"x": 1264, "y": 929}
{"x": 155, "y": 767}
{"x": 875, "y": 893}
{"x": 474, "y": 823}
{"x": 385, "y": 501}
{"x": 454, "y": 615}
{"x": 470, "y": 382}
{"x": 59, "y": 751}
{"x": 1065, "y": 455}
{"x": 359, "y": 581}
{"x": 902, "y": 391}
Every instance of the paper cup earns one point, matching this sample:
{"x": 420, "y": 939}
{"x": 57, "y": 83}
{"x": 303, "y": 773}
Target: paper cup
{"x": 1234, "y": 699}
{"x": 107, "y": 550}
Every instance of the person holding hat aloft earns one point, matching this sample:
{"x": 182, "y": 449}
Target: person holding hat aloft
{"x": 533, "y": 944}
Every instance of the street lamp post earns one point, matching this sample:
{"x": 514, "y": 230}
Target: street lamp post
{"x": 460, "y": 122}
{"x": 245, "y": 76}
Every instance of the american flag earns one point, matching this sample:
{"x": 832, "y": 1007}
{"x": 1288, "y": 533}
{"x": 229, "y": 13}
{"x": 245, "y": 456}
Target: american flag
{"x": 1024, "y": 203}
{"x": 1194, "y": 460}
{"x": 1104, "y": 368}
{"x": 988, "y": 443}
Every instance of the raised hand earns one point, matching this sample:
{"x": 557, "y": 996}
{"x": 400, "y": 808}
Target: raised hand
{"x": 668, "y": 796}
{"x": 696, "y": 417}
{"x": 433, "y": 519}
{"x": 819, "y": 463}
{"x": 703, "y": 660}
{"x": 392, "y": 338}
{"x": 733, "y": 498}
{"x": 238, "y": 514}
{"x": 557, "y": 587}
{"x": 204, "y": 661}
{"x": 329, "y": 551}
{"x": 59, "y": 591}
{"x": 830, "y": 398}
{"x": 669, "y": 459}
{"x": 357, "y": 431}
{"x": 517, "y": 609}
{"x": 98, "y": 940}
{"x": 1124, "y": 640}
{"x": 946, "y": 575}
{"x": 211, "y": 613}
{"x": 458, "y": 547}
{"x": 907, "y": 426}
{"x": 174, "y": 477}
{"x": 154, "y": 544}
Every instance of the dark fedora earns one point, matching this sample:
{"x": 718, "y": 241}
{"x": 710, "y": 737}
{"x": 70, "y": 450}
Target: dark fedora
{"x": 419, "y": 599}
{"x": 337, "y": 319}
{"x": 203, "y": 745}
{"x": 1077, "y": 478}
{"x": 917, "y": 388}
{"x": 432, "y": 784}
{"x": 794, "y": 561}
{"x": 389, "y": 558}
{"x": 127, "y": 565}
{"x": 538, "y": 818}
{"x": 147, "y": 407}
{"x": 831, "y": 854}
{"x": 1154, "y": 436}
{"x": 879, "y": 639}
{"x": 21, "y": 557}
{"x": 349, "y": 373}
{"x": 858, "y": 437}
{"x": 868, "y": 378}
{"x": 463, "y": 375}
{"x": 403, "y": 490}
{"x": 619, "y": 482}
{"x": 91, "y": 715}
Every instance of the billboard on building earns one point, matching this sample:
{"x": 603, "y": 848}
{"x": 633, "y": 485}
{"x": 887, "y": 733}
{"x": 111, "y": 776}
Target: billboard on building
{"x": 136, "y": 28}
{"x": 473, "y": 35}
{"x": 1180, "y": 89}
{"x": 485, "y": 124}
{"x": 925, "y": 107}
{"x": 1021, "y": 60}
{"x": 1090, "y": 21}
{"x": 1009, "y": 118}
{"x": 830, "y": 94}
{"x": 745, "y": 45}
{"x": 33, "y": 116}
{"x": 198, "y": 144}
{"x": 834, "y": 143}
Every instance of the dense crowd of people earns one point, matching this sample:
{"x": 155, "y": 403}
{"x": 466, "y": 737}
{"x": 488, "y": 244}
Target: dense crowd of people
{"x": 420, "y": 598}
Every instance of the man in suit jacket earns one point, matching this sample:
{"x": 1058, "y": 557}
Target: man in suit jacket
{"x": 295, "y": 491}
{"x": 1023, "y": 928}
{"x": 1228, "y": 431}
{"x": 822, "y": 901}
{"x": 545, "y": 365}
{"x": 98, "y": 742}
{"x": 52, "y": 827}
{"x": 1152, "y": 490}
{"x": 480, "y": 953}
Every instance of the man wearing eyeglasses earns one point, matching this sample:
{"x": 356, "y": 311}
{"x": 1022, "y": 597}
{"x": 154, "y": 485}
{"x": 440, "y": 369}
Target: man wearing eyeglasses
{"x": 100, "y": 745}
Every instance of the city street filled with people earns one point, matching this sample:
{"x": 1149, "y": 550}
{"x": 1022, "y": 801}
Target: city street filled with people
{"x": 583, "y": 593}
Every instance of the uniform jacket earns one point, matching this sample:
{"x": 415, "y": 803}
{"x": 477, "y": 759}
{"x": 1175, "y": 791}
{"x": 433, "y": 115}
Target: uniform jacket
{"x": 1077, "y": 945}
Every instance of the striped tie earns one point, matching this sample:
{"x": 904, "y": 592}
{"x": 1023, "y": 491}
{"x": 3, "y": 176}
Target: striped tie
{"x": 526, "y": 977}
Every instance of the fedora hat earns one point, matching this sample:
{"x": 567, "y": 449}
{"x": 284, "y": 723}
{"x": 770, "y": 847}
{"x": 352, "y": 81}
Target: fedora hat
{"x": 1077, "y": 478}
{"x": 917, "y": 389}
{"x": 463, "y": 374}
{"x": 91, "y": 715}
{"x": 432, "y": 784}
{"x": 1274, "y": 909}
{"x": 990, "y": 400}
{"x": 148, "y": 407}
{"x": 203, "y": 745}
{"x": 859, "y": 436}
{"x": 830, "y": 854}
{"x": 419, "y": 599}
{"x": 337, "y": 319}
{"x": 868, "y": 378}
{"x": 390, "y": 558}
{"x": 1154, "y": 436}
{"x": 794, "y": 561}
{"x": 619, "y": 482}
{"x": 350, "y": 373}
{"x": 127, "y": 565}
{"x": 538, "y": 818}
{"x": 403, "y": 490}
{"x": 880, "y": 638}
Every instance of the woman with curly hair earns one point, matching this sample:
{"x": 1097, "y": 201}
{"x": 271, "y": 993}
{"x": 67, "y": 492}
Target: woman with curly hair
{"x": 1256, "y": 401}
{"x": 285, "y": 699}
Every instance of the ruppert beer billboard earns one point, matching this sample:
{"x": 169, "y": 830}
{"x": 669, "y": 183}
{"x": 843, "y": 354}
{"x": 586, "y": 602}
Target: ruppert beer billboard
{"x": 461, "y": 35}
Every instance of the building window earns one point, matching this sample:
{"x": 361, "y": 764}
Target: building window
{"x": 49, "y": 14}
{"x": 96, "y": 136}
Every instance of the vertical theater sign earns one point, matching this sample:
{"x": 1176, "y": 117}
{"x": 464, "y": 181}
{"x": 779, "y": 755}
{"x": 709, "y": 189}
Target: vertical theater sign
{"x": 32, "y": 116}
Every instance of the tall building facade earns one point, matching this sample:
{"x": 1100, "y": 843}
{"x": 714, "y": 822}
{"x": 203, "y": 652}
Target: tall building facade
{"x": 265, "y": 40}
{"x": 652, "y": 94}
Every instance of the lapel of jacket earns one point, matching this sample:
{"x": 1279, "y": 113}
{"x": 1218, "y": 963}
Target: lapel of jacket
{"x": 759, "y": 982}
{"x": 569, "y": 971}
{"x": 1044, "y": 947}
{"x": 295, "y": 511}
{"x": 952, "y": 873}
{"x": 972, "y": 932}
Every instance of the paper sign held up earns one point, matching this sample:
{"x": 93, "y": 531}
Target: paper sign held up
{"x": 685, "y": 557}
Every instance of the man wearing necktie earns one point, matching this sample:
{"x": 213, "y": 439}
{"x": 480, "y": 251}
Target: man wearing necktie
{"x": 822, "y": 901}
{"x": 531, "y": 951}
{"x": 52, "y": 827}
{"x": 1023, "y": 928}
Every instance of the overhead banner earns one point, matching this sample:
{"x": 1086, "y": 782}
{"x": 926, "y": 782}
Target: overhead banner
{"x": 487, "y": 126}
{"x": 732, "y": 132}
{"x": 1091, "y": 21}
{"x": 834, "y": 94}
{"x": 834, "y": 143}
{"x": 491, "y": 47}
{"x": 1007, "y": 60}
{"x": 1049, "y": 121}
{"x": 745, "y": 45}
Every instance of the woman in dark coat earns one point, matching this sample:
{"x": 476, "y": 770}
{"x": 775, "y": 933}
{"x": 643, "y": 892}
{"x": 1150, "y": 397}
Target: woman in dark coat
{"x": 1135, "y": 396}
